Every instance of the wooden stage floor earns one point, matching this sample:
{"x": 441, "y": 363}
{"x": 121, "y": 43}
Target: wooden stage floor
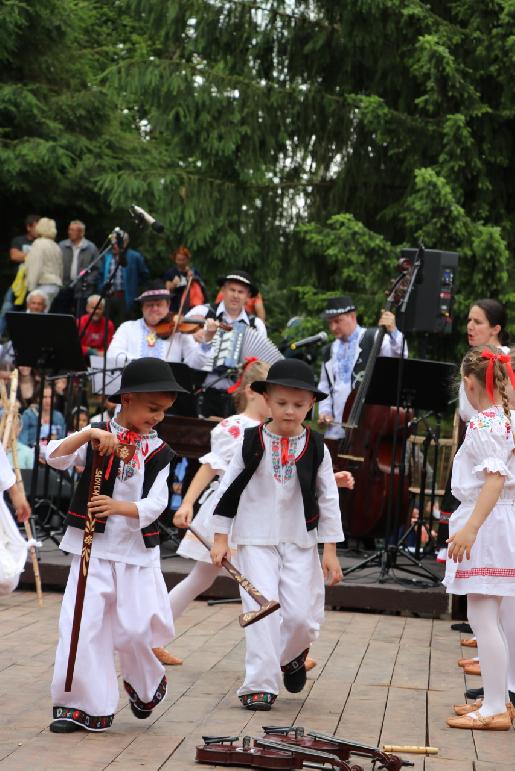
{"x": 380, "y": 679}
{"x": 360, "y": 590}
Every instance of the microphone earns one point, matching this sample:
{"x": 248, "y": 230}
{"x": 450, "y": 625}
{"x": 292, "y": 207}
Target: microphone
{"x": 321, "y": 337}
{"x": 141, "y": 215}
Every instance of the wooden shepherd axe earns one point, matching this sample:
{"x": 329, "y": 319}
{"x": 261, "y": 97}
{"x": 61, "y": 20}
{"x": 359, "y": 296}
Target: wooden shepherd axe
{"x": 265, "y": 606}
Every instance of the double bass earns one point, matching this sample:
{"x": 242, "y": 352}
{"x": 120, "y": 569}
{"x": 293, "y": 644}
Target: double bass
{"x": 369, "y": 448}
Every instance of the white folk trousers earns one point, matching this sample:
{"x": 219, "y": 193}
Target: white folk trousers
{"x": 126, "y": 608}
{"x": 294, "y": 577}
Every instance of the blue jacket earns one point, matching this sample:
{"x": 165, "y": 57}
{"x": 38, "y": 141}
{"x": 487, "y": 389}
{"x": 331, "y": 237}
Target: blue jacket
{"x": 29, "y": 422}
{"x": 135, "y": 274}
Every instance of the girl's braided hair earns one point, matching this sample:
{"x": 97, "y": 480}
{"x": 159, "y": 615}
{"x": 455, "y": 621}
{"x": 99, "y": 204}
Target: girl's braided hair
{"x": 258, "y": 370}
{"x": 474, "y": 363}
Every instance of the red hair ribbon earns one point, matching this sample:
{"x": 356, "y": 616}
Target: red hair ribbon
{"x": 502, "y": 358}
{"x": 126, "y": 437}
{"x": 248, "y": 361}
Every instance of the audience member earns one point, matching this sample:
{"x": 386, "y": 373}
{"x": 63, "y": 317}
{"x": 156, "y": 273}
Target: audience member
{"x": 44, "y": 262}
{"x": 127, "y": 278}
{"x": 78, "y": 254}
{"x": 20, "y": 246}
{"x": 24, "y": 454}
{"x": 37, "y": 302}
{"x": 95, "y": 331}
{"x": 54, "y": 428}
{"x": 176, "y": 279}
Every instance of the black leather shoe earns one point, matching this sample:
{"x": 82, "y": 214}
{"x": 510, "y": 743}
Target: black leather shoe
{"x": 294, "y": 682}
{"x": 474, "y": 693}
{"x": 512, "y": 697}
{"x": 462, "y": 627}
{"x": 64, "y": 727}
{"x": 141, "y": 714}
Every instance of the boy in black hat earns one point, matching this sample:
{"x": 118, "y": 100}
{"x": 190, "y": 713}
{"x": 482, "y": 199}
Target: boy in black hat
{"x": 346, "y": 358}
{"x": 126, "y": 606}
{"x": 279, "y": 499}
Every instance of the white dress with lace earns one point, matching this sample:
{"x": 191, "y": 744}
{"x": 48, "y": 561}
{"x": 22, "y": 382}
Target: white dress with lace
{"x": 226, "y": 437}
{"x": 488, "y": 447}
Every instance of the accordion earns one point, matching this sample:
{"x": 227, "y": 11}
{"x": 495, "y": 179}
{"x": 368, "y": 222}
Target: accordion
{"x": 230, "y": 348}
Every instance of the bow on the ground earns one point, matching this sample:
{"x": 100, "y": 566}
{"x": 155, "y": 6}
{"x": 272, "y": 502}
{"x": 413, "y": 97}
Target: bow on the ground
{"x": 125, "y": 452}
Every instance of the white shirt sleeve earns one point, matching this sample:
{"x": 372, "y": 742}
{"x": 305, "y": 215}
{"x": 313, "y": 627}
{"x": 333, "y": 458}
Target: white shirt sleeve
{"x": 194, "y": 354}
{"x": 223, "y": 524}
{"x": 392, "y": 345}
{"x": 63, "y": 462}
{"x": 7, "y": 478}
{"x": 490, "y": 445}
{"x": 330, "y": 522}
{"x": 325, "y": 407}
{"x": 224, "y": 441}
{"x": 260, "y": 327}
{"x": 151, "y": 507}
{"x": 118, "y": 351}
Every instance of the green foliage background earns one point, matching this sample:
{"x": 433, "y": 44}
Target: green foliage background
{"x": 307, "y": 141}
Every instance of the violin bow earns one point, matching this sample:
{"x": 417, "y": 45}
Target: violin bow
{"x": 179, "y": 312}
{"x": 125, "y": 452}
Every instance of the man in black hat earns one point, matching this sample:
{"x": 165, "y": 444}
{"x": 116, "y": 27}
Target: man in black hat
{"x": 138, "y": 338}
{"x": 126, "y": 607}
{"x": 347, "y": 356}
{"x": 236, "y": 288}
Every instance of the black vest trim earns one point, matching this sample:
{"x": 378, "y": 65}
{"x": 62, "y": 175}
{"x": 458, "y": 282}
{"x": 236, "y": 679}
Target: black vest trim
{"x": 154, "y": 463}
{"x": 307, "y": 464}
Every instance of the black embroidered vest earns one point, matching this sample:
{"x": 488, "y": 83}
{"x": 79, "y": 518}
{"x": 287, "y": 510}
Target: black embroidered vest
{"x": 307, "y": 465}
{"x": 157, "y": 460}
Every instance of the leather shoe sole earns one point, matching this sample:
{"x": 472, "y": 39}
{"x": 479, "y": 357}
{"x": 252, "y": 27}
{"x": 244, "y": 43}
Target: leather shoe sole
{"x": 473, "y": 669}
{"x": 166, "y": 658}
{"x": 65, "y": 727}
{"x": 475, "y": 722}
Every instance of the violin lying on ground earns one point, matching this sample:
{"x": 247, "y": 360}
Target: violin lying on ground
{"x": 289, "y": 745}
{"x": 220, "y": 750}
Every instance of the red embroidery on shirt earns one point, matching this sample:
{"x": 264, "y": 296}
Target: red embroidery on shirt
{"x": 234, "y": 431}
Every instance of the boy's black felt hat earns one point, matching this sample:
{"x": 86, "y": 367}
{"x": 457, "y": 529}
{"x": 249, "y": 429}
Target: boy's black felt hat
{"x": 291, "y": 373}
{"x": 148, "y": 375}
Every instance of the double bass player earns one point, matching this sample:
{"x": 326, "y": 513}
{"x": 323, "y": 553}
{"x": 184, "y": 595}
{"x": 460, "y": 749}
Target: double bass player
{"x": 346, "y": 357}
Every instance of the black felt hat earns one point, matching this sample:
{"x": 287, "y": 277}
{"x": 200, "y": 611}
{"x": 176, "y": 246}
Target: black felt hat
{"x": 242, "y": 277}
{"x": 338, "y": 305}
{"x": 156, "y": 290}
{"x": 291, "y": 373}
{"x": 147, "y": 375}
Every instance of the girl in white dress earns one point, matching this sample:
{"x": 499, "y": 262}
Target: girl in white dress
{"x": 225, "y": 439}
{"x": 481, "y": 556}
{"x": 13, "y": 548}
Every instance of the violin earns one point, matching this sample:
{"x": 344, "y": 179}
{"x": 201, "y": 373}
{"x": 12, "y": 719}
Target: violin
{"x": 172, "y": 323}
{"x": 220, "y": 750}
{"x": 295, "y": 735}
{"x": 388, "y": 761}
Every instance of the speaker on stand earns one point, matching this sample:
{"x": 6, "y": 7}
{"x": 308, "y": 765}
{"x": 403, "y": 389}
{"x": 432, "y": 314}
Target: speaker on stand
{"x": 430, "y": 308}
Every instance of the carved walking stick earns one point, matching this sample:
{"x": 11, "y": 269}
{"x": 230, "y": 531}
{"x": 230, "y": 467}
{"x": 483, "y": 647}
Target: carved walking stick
{"x": 9, "y": 426}
{"x": 265, "y": 606}
{"x": 125, "y": 452}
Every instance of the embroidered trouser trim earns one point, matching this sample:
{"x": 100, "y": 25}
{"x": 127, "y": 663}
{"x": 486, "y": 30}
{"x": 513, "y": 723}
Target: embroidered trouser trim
{"x": 90, "y": 722}
{"x": 146, "y": 706}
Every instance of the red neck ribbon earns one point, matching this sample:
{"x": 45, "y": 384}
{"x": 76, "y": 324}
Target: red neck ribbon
{"x": 502, "y": 358}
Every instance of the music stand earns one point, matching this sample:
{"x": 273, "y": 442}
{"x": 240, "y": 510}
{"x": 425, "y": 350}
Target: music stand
{"x": 411, "y": 384}
{"x": 47, "y": 342}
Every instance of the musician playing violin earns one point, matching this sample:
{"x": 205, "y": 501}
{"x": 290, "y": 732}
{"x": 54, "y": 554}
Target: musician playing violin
{"x": 346, "y": 357}
{"x": 134, "y": 339}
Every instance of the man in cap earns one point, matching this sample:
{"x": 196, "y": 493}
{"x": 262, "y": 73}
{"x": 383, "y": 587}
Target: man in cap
{"x": 236, "y": 289}
{"x": 134, "y": 339}
{"x": 347, "y": 356}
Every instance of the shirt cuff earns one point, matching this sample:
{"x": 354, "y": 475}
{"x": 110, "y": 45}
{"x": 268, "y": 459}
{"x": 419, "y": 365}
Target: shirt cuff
{"x": 221, "y": 524}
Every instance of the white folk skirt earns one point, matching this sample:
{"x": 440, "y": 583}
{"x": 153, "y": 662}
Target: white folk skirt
{"x": 491, "y": 567}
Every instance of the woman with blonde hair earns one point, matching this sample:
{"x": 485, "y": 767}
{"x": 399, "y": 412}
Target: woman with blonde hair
{"x": 44, "y": 262}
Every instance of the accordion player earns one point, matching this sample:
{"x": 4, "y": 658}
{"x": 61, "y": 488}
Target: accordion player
{"x": 231, "y": 335}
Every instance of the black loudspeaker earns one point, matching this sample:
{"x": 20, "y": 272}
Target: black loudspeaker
{"x": 430, "y": 308}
